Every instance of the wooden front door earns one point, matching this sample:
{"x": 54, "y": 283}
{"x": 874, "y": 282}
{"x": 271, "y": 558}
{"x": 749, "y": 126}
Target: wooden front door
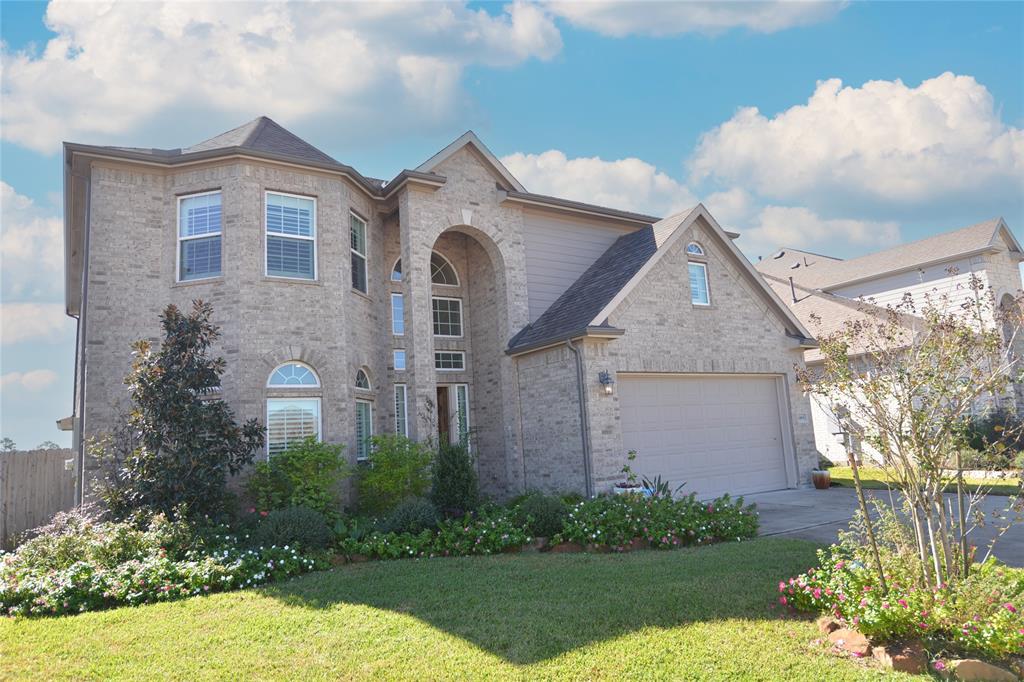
{"x": 444, "y": 415}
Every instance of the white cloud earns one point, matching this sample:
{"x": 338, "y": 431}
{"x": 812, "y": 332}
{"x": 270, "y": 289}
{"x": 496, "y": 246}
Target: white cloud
{"x": 620, "y": 19}
{"x": 117, "y": 66}
{"x": 20, "y": 322}
{"x": 628, "y": 184}
{"x": 31, "y": 248}
{"x": 800, "y": 227}
{"x": 883, "y": 142}
{"x": 33, "y": 380}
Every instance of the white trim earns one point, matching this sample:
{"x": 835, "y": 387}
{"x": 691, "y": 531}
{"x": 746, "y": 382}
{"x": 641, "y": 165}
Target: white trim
{"x": 469, "y": 137}
{"x": 700, "y": 250}
{"x": 460, "y": 353}
{"x": 707, "y": 285}
{"x": 178, "y": 239}
{"x": 369, "y": 404}
{"x": 700, "y": 211}
{"x": 458, "y": 281}
{"x": 293, "y": 386}
{"x": 364, "y": 256}
{"x": 405, "y": 359}
{"x": 319, "y": 416}
{"x": 369, "y": 383}
{"x": 402, "y": 298}
{"x": 462, "y": 317}
{"x": 405, "y": 409}
{"x": 316, "y": 230}
{"x": 392, "y": 271}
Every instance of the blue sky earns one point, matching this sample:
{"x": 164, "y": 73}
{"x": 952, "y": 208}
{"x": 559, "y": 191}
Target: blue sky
{"x": 841, "y": 128}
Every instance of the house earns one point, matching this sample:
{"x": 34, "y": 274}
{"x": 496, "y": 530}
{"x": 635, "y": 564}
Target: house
{"x": 448, "y": 302}
{"x": 826, "y": 293}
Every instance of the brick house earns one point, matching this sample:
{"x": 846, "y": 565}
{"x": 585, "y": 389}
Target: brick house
{"x": 447, "y": 302}
{"x": 826, "y": 293}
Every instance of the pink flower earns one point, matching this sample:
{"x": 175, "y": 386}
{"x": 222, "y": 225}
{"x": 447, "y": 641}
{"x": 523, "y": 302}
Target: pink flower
{"x": 839, "y": 565}
{"x": 264, "y": 513}
{"x": 863, "y": 603}
{"x": 885, "y": 605}
{"x": 817, "y": 593}
{"x": 782, "y": 600}
{"x": 939, "y": 665}
{"x": 902, "y": 602}
{"x": 782, "y": 586}
{"x": 1010, "y": 607}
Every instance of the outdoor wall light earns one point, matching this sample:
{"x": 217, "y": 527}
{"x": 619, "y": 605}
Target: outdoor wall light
{"x": 605, "y": 379}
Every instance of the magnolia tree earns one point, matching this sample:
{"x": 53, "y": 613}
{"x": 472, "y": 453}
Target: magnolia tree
{"x": 907, "y": 380}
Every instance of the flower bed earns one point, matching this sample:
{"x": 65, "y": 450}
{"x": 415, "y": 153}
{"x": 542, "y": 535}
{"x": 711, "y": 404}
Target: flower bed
{"x": 980, "y": 614}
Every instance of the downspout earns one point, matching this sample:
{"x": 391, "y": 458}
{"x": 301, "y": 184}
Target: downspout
{"x": 584, "y": 420}
{"x": 83, "y": 337}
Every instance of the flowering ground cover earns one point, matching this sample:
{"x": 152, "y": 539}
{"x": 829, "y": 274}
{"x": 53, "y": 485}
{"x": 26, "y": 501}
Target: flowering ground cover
{"x": 704, "y": 613}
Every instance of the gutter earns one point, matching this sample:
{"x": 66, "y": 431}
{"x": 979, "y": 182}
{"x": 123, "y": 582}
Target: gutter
{"x": 907, "y": 268}
{"x": 584, "y": 420}
{"x": 593, "y": 332}
{"x": 81, "y": 348}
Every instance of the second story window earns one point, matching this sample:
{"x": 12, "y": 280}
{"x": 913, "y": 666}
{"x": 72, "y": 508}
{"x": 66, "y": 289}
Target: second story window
{"x": 397, "y": 314}
{"x": 199, "y": 236}
{"x": 291, "y": 236}
{"x": 358, "y": 229}
{"x": 447, "y": 316}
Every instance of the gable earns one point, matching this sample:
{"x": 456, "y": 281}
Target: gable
{"x": 470, "y": 141}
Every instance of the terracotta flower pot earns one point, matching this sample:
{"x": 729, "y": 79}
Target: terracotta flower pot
{"x": 822, "y": 479}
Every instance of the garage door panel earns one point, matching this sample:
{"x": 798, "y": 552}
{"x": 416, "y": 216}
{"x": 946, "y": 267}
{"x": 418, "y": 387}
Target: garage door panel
{"x": 718, "y": 434}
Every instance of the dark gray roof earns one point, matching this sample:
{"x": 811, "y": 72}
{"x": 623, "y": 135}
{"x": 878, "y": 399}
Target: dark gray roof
{"x": 575, "y": 309}
{"x": 263, "y": 135}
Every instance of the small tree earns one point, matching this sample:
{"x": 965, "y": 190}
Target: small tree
{"x": 907, "y": 380}
{"x": 47, "y": 445}
{"x": 180, "y": 441}
{"x": 8, "y": 445}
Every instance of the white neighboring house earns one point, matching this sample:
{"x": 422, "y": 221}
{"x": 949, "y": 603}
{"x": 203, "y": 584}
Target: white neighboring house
{"x": 835, "y": 291}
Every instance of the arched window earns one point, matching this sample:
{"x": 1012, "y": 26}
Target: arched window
{"x": 694, "y": 249}
{"x": 293, "y": 374}
{"x": 441, "y": 271}
{"x": 362, "y": 380}
{"x": 292, "y": 417}
{"x": 396, "y": 271}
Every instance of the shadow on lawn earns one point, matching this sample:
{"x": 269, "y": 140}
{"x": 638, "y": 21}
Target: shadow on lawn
{"x": 530, "y": 607}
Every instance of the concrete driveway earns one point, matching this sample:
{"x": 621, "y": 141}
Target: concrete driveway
{"x": 818, "y": 515}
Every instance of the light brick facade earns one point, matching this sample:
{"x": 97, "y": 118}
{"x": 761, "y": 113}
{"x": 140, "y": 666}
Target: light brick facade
{"x": 525, "y": 413}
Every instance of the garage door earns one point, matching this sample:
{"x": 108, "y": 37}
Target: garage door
{"x": 718, "y": 434}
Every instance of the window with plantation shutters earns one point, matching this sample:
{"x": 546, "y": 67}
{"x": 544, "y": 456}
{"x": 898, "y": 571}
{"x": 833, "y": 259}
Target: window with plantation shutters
{"x": 199, "y": 225}
{"x": 291, "y": 420}
{"x": 364, "y": 428}
{"x": 401, "y": 408}
{"x": 699, "y": 294}
{"x": 291, "y": 236}
{"x": 358, "y": 248}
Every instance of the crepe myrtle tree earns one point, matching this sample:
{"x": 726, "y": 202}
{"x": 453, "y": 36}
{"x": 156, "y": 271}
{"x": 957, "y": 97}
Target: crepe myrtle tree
{"x": 177, "y": 444}
{"x": 907, "y": 380}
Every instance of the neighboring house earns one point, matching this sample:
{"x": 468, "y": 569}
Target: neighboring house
{"x": 446, "y": 303}
{"x": 826, "y": 292}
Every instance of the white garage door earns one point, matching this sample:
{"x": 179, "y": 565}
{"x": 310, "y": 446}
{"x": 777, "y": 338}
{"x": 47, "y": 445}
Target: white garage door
{"x": 718, "y": 434}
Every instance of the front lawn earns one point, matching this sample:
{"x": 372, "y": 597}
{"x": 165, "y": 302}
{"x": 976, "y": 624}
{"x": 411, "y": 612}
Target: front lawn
{"x": 874, "y": 478}
{"x": 701, "y": 613}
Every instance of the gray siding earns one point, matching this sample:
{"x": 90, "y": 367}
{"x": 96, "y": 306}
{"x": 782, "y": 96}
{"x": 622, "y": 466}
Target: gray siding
{"x": 558, "y": 251}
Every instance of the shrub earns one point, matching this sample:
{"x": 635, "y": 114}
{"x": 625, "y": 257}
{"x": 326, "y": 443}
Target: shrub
{"x": 301, "y": 526}
{"x": 413, "y": 515}
{"x": 179, "y": 442}
{"x": 455, "y": 490}
{"x": 542, "y": 515}
{"x": 398, "y": 468}
{"x": 305, "y": 475}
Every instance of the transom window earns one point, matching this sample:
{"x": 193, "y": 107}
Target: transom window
{"x": 293, "y": 374}
{"x": 441, "y": 271}
{"x": 199, "y": 236}
{"x": 362, "y": 381}
{"x": 358, "y": 230}
{"x": 449, "y": 360}
{"x": 699, "y": 284}
{"x": 694, "y": 249}
{"x": 396, "y": 271}
{"x": 291, "y": 236}
{"x": 447, "y": 316}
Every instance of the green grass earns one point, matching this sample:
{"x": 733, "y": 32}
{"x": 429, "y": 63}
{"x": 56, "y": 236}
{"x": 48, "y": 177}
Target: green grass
{"x": 699, "y": 614}
{"x": 873, "y": 478}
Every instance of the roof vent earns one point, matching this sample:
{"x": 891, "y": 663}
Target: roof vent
{"x": 795, "y": 265}
{"x": 779, "y": 255}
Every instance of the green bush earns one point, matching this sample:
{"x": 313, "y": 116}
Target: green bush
{"x": 397, "y": 468}
{"x": 1001, "y": 433}
{"x": 455, "y": 490}
{"x": 413, "y": 515}
{"x": 305, "y": 475}
{"x": 542, "y": 515}
{"x": 301, "y": 526}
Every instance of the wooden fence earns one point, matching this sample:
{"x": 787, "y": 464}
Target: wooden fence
{"x": 34, "y": 485}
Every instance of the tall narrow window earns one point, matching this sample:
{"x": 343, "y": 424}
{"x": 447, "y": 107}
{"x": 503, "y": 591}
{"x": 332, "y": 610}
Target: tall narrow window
{"x": 199, "y": 236}
{"x": 397, "y": 314}
{"x": 364, "y": 428}
{"x": 291, "y": 236}
{"x": 699, "y": 284}
{"x": 358, "y": 230}
{"x": 401, "y": 407}
{"x": 462, "y": 413}
{"x": 292, "y": 418}
{"x": 447, "y": 316}
{"x": 399, "y": 360}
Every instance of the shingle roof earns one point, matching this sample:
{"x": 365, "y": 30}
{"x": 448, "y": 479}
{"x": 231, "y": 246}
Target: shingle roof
{"x": 823, "y": 272}
{"x": 263, "y": 135}
{"x": 574, "y": 311}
